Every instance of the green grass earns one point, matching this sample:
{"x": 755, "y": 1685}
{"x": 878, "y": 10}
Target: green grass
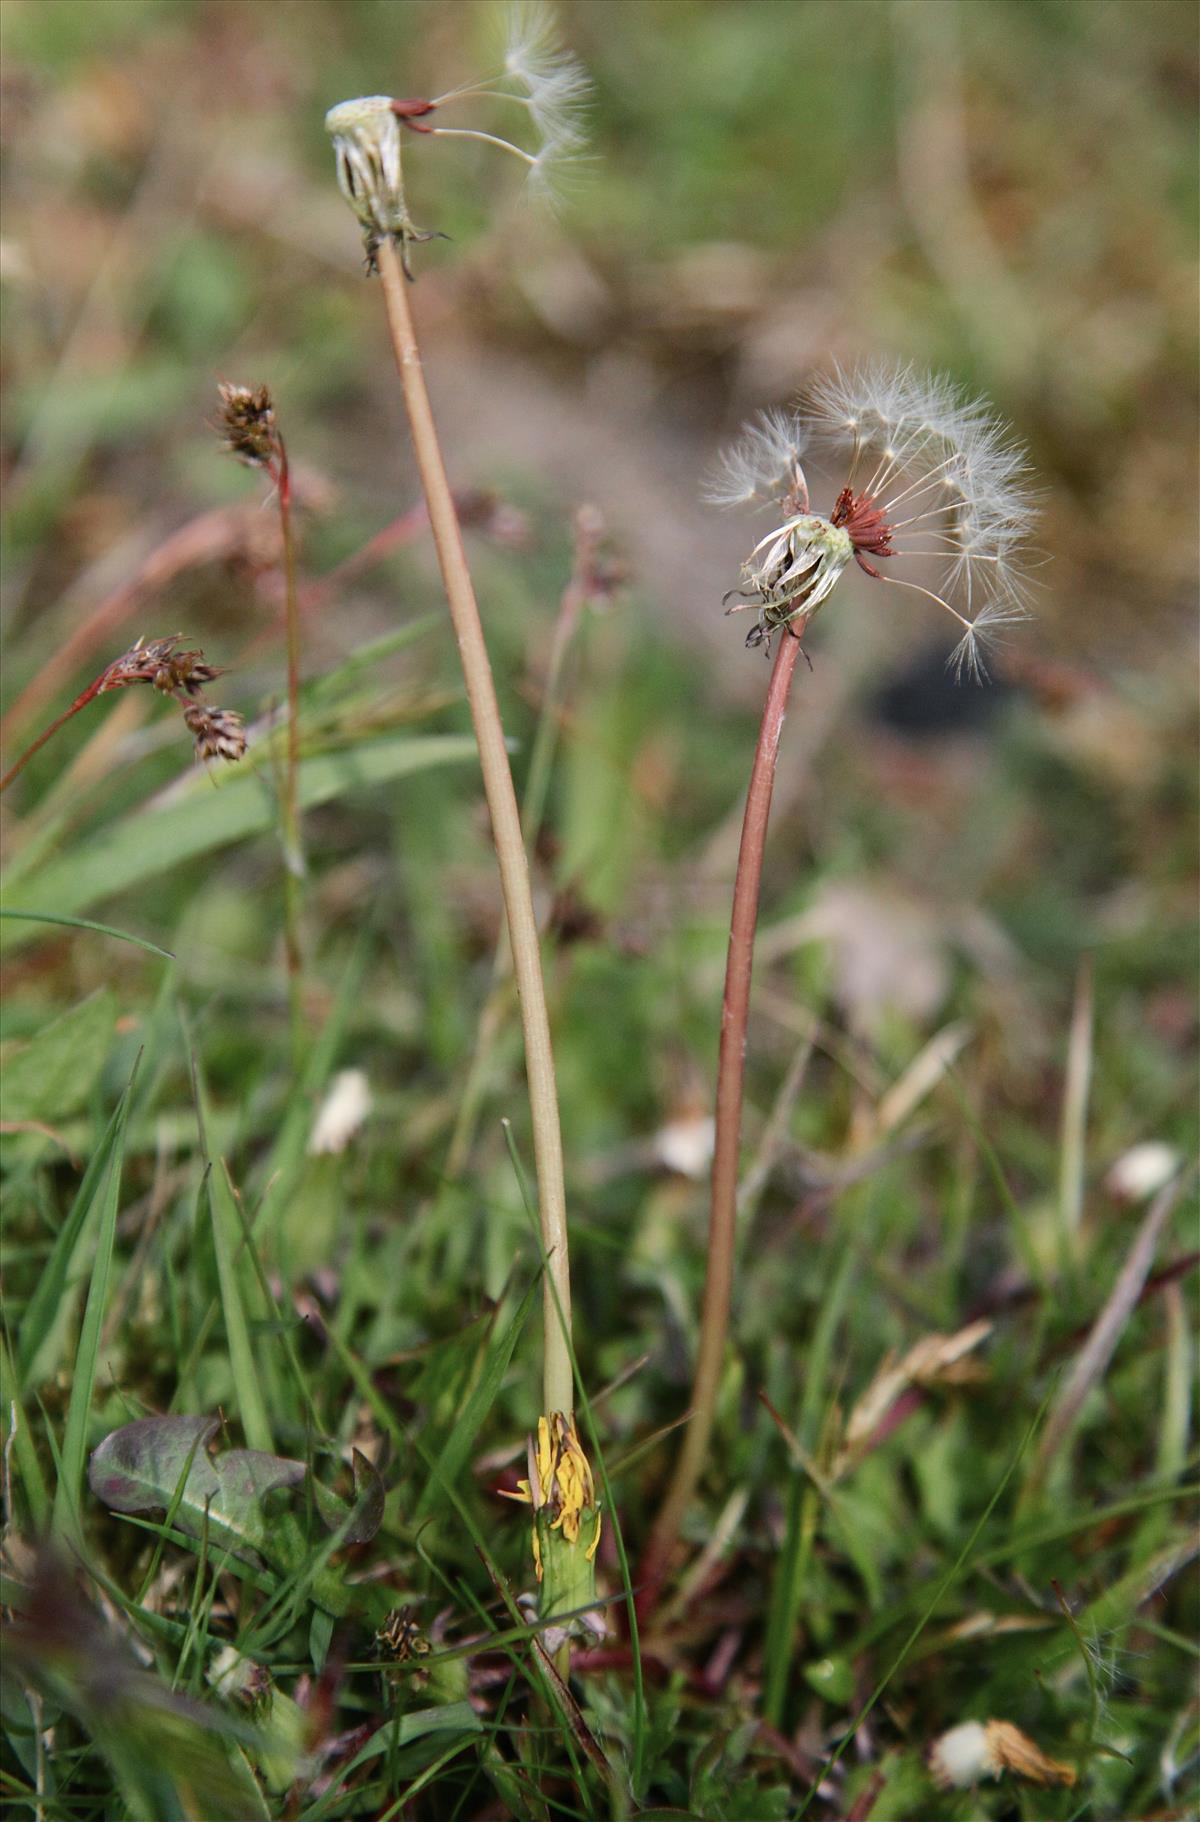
{"x": 314, "y": 1302}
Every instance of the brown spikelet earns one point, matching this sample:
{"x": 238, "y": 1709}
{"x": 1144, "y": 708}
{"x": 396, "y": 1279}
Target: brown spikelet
{"x": 248, "y": 422}
{"x": 218, "y": 733}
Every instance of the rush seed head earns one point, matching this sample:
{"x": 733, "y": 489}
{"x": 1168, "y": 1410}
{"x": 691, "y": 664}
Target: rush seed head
{"x": 536, "y": 77}
{"x": 248, "y": 422}
{"x": 925, "y": 474}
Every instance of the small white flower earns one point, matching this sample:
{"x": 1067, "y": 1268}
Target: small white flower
{"x": 343, "y": 1111}
{"x": 925, "y": 474}
{"x": 686, "y": 1146}
{"x": 975, "y": 1750}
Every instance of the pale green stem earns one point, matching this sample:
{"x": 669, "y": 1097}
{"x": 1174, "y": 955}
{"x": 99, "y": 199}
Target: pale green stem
{"x": 293, "y": 853}
{"x": 506, "y": 834}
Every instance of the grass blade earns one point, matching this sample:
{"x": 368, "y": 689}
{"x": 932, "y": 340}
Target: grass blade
{"x": 148, "y": 842}
{"x": 65, "y": 1519}
{"x": 86, "y": 923}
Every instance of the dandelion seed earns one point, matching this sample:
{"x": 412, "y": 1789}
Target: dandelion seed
{"x": 926, "y": 475}
{"x": 341, "y": 1113}
{"x": 537, "y": 76}
{"x": 975, "y": 1750}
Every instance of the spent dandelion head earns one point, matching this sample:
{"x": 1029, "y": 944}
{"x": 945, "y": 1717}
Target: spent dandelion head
{"x": 924, "y": 474}
{"x": 536, "y": 77}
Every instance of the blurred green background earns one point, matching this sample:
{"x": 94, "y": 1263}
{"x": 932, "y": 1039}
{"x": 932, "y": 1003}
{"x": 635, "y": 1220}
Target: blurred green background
{"x": 1000, "y": 190}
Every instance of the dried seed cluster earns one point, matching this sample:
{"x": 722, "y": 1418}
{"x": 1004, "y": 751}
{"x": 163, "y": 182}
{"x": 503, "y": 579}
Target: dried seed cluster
{"x": 248, "y": 422}
{"x": 216, "y": 733}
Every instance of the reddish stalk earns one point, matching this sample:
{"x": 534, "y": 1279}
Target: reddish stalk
{"x": 731, "y": 1066}
{"x": 81, "y": 701}
{"x": 205, "y": 539}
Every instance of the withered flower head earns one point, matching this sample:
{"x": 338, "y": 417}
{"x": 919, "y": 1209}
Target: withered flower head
{"x": 536, "y": 77}
{"x": 248, "y": 422}
{"x": 180, "y": 674}
{"x": 924, "y": 474}
{"x": 566, "y": 1525}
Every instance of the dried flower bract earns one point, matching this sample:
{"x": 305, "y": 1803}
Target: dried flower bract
{"x": 924, "y": 474}
{"x": 536, "y": 76}
{"x": 217, "y": 733}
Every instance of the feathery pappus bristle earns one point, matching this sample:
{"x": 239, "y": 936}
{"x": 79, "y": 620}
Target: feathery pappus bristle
{"x": 761, "y": 464}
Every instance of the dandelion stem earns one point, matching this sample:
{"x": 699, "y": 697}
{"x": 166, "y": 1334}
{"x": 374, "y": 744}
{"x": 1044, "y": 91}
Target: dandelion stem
{"x": 498, "y": 1001}
{"x": 714, "y": 1319}
{"x": 293, "y": 853}
{"x": 506, "y": 832}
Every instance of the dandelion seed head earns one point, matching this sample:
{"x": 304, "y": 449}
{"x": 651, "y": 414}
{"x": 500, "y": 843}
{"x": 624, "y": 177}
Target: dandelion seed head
{"x": 926, "y": 474}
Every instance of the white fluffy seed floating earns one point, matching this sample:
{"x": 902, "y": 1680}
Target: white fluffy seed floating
{"x": 1141, "y": 1172}
{"x": 341, "y": 1113}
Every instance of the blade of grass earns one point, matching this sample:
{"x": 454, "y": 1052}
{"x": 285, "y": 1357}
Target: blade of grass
{"x": 803, "y": 1504}
{"x": 248, "y": 1370}
{"x": 1073, "y": 1139}
{"x": 1093, "y": 1359}
{"x": 610, "y": 1507}
{"x": 148, "y": 842}
{"x": 64, "y": 1266}
{"x": 946, "y": 1582}
{"x": 14, "y": 1428}
{"x": 86, "y": 923}
{"x": 65, "y": 1521}
{"x": 473, "y": 1412}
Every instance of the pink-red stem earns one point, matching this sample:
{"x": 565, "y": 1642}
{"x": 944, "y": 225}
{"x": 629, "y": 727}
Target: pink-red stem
{"x": 81, "y": 701}
{"x": 722, "y": 1231}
